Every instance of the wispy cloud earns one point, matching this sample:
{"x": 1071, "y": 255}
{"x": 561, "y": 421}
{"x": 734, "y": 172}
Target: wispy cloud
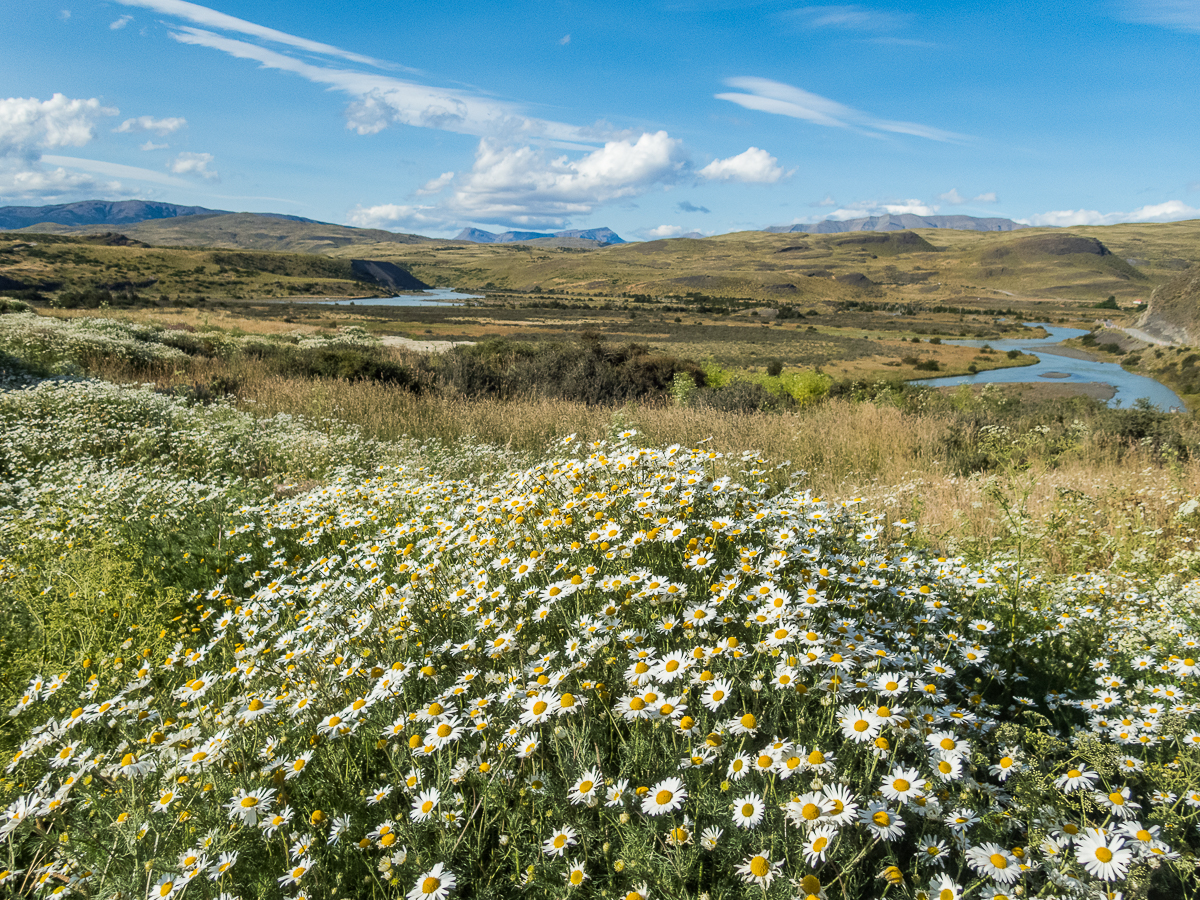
{"x": 381, "y": 100}
{"x": 851, "y": 17}
{"x": 116, "y": 170}
{"x": 161, "y": 127}
{"x": 1170, "y": 211}
{"x": 685, "y": 206}
{"x": 954, "y": 198}
{"x": 202, "y": 15}
{"x": 765, "y": 95}
{"x": 120, "y": 23}
{"x": 1179, "y": 15}
{"x": 436, "y": 185}
{"x": 564, "y": 40}
{"x": 150, "y": 145}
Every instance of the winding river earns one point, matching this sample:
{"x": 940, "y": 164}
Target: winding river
{"x": 1129, "y": 387}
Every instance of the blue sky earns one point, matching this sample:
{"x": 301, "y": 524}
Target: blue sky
{"x": 654, "y": 118}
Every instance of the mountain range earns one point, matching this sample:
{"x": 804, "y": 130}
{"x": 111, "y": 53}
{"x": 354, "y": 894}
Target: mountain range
{"x": 105, "y": 212}
{"x": 899, "y": 223}
{"x": 478, "y": 236}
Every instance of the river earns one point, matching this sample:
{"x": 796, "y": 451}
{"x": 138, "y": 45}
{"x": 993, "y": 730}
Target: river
{"x": 1129, "y": 387}
{"x": 431, "y": 297}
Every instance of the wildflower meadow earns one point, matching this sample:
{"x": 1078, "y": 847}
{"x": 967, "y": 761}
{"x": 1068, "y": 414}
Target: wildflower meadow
{"x": 269, "y": 658}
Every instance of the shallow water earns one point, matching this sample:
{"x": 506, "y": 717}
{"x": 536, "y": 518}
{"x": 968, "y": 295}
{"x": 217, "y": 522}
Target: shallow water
{"x": 432, "y": 297}
{"x": 1129, "y": 387}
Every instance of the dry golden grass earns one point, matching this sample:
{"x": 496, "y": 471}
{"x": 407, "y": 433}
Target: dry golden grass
{"x": 1093, "y": 508}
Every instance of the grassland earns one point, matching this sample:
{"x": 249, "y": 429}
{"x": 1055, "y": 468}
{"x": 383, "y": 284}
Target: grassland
{"x": 232, "y": 630}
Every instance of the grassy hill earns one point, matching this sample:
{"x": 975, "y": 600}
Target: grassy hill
{"x": 1077, "y": 264}
{"x": 49, "y": 263}
{"x": 244, "y": 231}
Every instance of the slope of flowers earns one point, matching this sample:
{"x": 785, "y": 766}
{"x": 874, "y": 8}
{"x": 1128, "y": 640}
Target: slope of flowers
{"x": 614, "y": 673}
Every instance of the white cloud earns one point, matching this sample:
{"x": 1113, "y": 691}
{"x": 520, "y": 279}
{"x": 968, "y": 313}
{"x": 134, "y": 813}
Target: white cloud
{"x": 781, "y": 99}
{"x": 1180, "y": 15}
{"x": 150, "y": 145}
{"x": 202, "y": 15}
{"x": 564, "y": 40}
{"x": 663, "y": 231}
{"x": 117, "y": 170}
{"x": 28, "y": 127}
{"x": 392, "y": 216}
{"x": 161, "y": 127}
{"x": 849, "y": 18}
{"x": 383, "y": 100}
{"x": 193, "y": 164}
{"x": 1170, "y": 211}
{"x": 436, "y": 185}
{"x": 520, "y": 185}
{"x": 753, "y": 166}
{"x": 864, "y": 208}
{"x": 954, "y": 198}
{"x": 64, "y": 14}
{"x": 121, "y": 23}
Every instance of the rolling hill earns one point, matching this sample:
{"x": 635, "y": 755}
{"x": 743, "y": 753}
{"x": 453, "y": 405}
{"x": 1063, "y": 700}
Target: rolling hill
{"x": 244, "y": 231}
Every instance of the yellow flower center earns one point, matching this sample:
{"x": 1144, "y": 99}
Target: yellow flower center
{"x": 998, "y": 861}
{"x": 861, "y": 725}
{"x": 540, "y": 707}
{"x": 430, "y": 884}
{"x": 816, "y": 758}
{"x": 256, "y": 705}
{"x": 882, "y": 819}
{"x": 444, "y": 730}
{"x": 585, "y": 787}
{"x": 577, "y": 876}
{"x": 663, "y": 797}
{"x": 747, "y": 810}
{"x": 759, "y": 867}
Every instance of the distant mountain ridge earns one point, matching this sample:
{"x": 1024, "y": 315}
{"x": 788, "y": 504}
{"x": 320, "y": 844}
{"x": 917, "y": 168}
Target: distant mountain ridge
{"x": 902, "y": 222}
{"x": 479, "y": 236}
{"x": 110, "y": 212}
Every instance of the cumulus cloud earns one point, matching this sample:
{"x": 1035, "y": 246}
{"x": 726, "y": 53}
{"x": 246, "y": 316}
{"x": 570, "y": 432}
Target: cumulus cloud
{"x": 765, "y": 95}
{"x": 663, "y": 231}
{"x": 685, "y": 206}
{"x": 161, "y": 127}
{"x": 863, "y": 208}
{"x": 193, "y": 164}
{"x": 392, "y": 216}
{"x": 521, "y": 185}
{"x": 121, "y": 23}
{"x": 150, "y": 145}
{"x": 753, "y": 166}
{"x": 850, "y": 17}
{"x": 989, "y": 197}
{"x": 436, "y": 185}
{"x": 1170, "y": 211}
{"x": 28, "y": 128}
